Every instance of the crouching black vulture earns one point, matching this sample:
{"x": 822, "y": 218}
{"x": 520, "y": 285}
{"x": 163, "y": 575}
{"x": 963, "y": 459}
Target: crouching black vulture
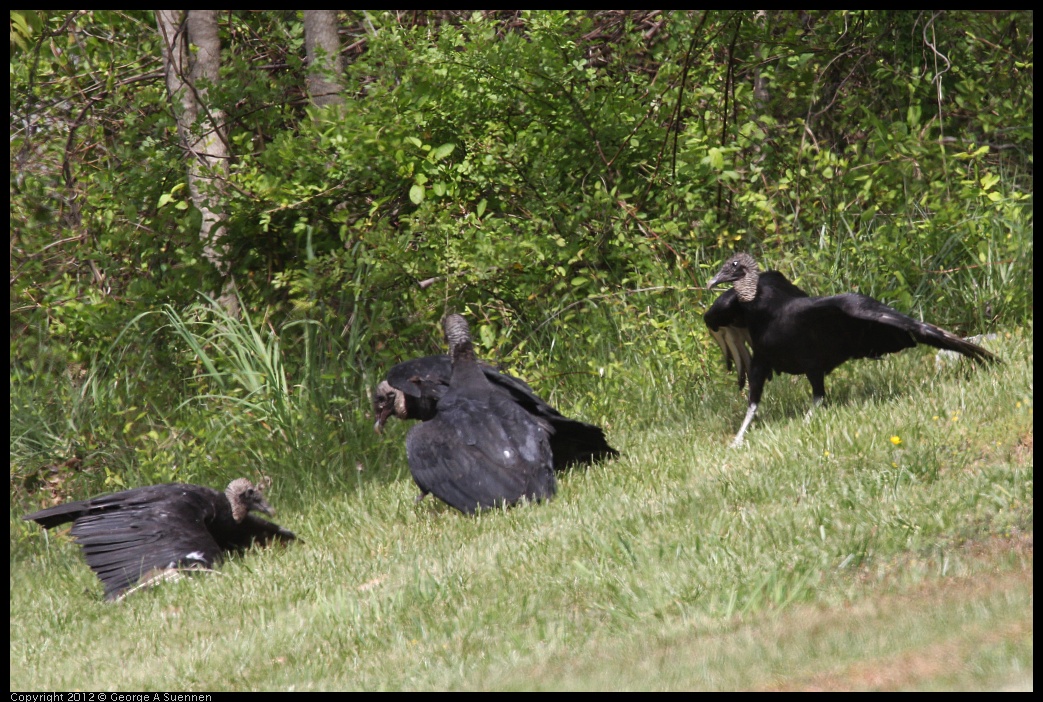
{"x": 790, "y": 332}
{"x": 480, "y": 449}
{"x": 412, "y": 390}
{"x": 145, "y": 532}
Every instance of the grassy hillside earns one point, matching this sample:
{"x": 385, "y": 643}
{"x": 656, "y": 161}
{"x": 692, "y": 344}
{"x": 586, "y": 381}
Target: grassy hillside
{"x": 886, "y": 544}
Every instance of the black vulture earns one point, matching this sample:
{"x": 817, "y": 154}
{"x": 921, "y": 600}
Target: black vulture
{"x": 480, "y": 449}
{"x": 790, "y": 332}
{"x": 148, "y": 531}
{"x": 412, "y": 390}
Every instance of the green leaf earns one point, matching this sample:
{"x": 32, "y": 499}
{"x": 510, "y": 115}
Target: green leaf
{"x": 480, "y": 209}
{"x": 416, "y": 193}
{"x": 913, "y": 115}
{"x": 441, "y": 152}
{"x": 487, "y": 335}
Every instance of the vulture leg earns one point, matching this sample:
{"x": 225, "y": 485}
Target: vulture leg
{"x": 818, "y": 393}
{"x": 745, "y": 425}
{"x": 758, "y": 376}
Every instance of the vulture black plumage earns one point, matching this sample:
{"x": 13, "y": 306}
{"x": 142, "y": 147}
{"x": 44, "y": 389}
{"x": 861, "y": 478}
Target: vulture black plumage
{"x": 412, "y": 390}
{"x": 790, "y": 332}
{"x": 145, "y": 532}
{"x": 480, "y": 449}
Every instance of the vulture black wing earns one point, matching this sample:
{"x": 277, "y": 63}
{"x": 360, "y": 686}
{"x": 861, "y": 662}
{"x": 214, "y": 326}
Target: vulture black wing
{"x": 479, "y": 455}
{"x": 878, "y": 329}
{"x": 127, "y": 535}
{"x": 726, "y": 321}
{"x": 171, "y": 531}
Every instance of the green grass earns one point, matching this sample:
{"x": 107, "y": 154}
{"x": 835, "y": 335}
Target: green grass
{"x": 822, "y": 555}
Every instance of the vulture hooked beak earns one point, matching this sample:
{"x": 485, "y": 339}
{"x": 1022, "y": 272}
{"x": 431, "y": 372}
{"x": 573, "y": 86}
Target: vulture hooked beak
{"x": 384, "y": 400}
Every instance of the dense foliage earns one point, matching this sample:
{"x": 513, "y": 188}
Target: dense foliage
{"x": 566, "y": 178}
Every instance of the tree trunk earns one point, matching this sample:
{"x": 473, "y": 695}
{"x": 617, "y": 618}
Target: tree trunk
{"x": 201, "y": 128}
{"x": 323, "y": 48}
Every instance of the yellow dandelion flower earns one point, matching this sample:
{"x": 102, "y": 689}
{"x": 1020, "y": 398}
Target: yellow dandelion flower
{"x": 896, "y": 440}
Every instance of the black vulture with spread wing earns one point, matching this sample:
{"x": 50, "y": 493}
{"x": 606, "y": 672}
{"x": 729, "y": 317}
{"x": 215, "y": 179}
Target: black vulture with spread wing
{"x": 136, "y": 534}
{"x": 789, "y": 331}
{"x": 480, "y": 449}
{"x": 412, "y": 390}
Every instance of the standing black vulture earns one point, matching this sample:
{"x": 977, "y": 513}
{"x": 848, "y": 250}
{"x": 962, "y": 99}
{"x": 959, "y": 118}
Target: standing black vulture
{"x": 480, "y": 449}
{"x": 137, "y": 534}
{"x": 790, "y": 332}
{"x": 413, "y": 389}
